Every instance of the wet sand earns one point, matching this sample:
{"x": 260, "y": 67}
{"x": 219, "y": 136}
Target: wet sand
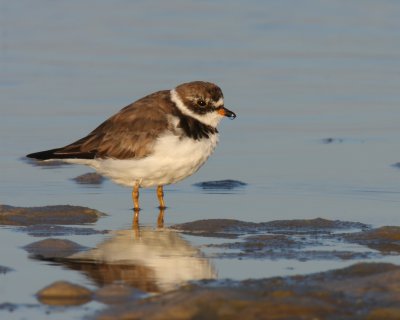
{"x": 362, "y": 291}
{"x": 147, "y": 273}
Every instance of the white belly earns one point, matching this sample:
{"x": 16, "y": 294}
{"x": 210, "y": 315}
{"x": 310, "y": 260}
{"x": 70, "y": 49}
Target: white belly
{"x": 173, "y": 160}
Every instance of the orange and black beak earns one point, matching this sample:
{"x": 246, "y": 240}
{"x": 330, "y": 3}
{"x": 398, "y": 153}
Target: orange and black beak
{"x": 227, "y": 113}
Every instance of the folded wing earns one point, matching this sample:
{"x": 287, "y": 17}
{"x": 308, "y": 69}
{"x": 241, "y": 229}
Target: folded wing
{"x": 129, "y": 134}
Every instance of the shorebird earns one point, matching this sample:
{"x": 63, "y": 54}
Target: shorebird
{"x": 160, "y": 139}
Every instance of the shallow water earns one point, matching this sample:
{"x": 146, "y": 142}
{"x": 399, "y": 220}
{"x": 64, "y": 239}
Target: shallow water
{"x": 295, "y": 73}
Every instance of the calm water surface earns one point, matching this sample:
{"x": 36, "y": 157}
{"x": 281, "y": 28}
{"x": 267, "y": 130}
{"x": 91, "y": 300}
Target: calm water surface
{"x": 295, "y": 72}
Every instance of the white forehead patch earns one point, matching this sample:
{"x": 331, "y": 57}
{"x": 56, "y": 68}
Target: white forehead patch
{"x": 220, "y": 102}
{"x": 210, "y": 118}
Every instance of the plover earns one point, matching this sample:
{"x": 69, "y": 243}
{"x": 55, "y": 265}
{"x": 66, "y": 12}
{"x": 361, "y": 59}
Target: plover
{"x": 158, "y": 140}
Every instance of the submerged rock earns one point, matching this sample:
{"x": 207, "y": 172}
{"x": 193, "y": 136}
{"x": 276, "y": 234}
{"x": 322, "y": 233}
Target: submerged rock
{"x": 4, "y": 270}
{"x": 59, "y": 214}
{"x": 53, "y": 248}
{"x": 358, "y": 292}
{"x": 317, "y": 224}
{"x": 332, "y": 140}
{"x": 89, "y": 178}
{"x": 279, "y": 246}
{"x": 63, "y": 293}
{"x": 221, "y": 184}
{"x": 396, "y": 165}
{"x": 280, "y": 239}
{"x": 7, "y": 306}
{"x": 44, "y": 230}
{"x": 224, "y": 227}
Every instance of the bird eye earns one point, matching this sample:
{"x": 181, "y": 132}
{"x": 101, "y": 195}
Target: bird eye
{"x": 201, "y": 103}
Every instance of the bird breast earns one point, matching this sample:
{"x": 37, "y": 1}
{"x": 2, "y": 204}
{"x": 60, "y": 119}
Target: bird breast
{"x": 173, "y": 159}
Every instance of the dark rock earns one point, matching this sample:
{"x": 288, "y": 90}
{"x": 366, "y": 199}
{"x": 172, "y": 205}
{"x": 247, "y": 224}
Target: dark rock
{"x": 61, "y": 214}
{"x": 53, "y": 248}
{"x": 89, "y": 178}
{"x": 221, "y": 184}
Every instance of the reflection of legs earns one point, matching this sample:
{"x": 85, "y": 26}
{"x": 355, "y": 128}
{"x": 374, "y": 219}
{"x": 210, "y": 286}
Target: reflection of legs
{"x": 160, "y": 196}
{"x": 160, "y": 220}
{"x": 135, "y": 218}
{"x": 135, "y": 225}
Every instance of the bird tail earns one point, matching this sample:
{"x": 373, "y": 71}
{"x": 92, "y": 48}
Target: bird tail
{"x": 60, "y": 153}
{"x": 45, "y": 155}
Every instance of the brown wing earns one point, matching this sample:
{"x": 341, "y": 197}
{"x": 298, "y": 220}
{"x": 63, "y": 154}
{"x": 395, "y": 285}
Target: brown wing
{"x": 131, "y": 133}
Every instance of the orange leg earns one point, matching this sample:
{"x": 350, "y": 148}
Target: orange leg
{"x": 135, "y": 197}
{"x": 160, "y": 196}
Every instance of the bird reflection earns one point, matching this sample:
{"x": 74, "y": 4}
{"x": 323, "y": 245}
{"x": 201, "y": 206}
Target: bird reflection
{"x": 160, "y": 219}
{"x": 153, "y": 260}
